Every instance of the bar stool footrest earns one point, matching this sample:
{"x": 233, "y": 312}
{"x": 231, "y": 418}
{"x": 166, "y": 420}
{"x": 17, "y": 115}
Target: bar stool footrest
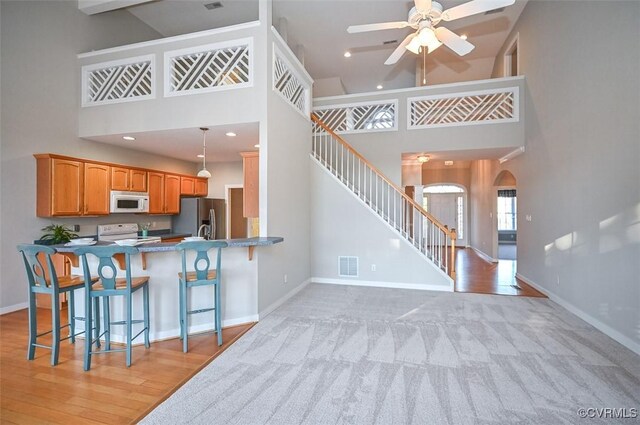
{"x": 202, "y": 310}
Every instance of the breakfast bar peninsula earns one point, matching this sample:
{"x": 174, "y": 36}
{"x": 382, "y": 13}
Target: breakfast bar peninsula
{"x": 161, "y": 262}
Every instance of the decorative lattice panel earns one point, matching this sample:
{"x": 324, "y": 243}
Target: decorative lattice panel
{"x": 208, "y": 68}
{"x": 470, "y": 108}
{"x": 114, "y": 82}
{"x": 360, "y": 117}
{"x": 289, "y": 85}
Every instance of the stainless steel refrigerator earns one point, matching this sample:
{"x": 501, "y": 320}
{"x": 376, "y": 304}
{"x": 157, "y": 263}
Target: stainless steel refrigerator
{"x": 196, "y": 212}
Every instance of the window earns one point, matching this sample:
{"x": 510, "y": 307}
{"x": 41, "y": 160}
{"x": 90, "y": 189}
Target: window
{"x": 507, "y": 210}
{"x": 443, "y": 189}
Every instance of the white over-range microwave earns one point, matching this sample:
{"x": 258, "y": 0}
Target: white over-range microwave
{"x": 129, "y": 202}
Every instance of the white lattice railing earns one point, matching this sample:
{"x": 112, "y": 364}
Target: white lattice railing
{"x": 289, "y": 84}
{"x": 118, "y": 81}
{"x": 387, "y": 200}
{"x": 360, "y": 117}
{"x": 486, "y": 106}
{"x": 208, "y": 68}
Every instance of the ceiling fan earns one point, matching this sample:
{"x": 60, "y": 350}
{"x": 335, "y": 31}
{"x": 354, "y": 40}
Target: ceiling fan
{"x": 424, "y": 17}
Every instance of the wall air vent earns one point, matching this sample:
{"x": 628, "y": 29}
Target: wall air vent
{"x": 348, "y": 266}
{"x": 494, "y": 11}
{"x": 390, "y": 42}
{"x": 214, "y": 5}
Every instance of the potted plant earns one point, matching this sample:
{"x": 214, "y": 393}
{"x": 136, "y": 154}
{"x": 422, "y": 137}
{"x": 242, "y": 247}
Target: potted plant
{"x": 56, "y": 234}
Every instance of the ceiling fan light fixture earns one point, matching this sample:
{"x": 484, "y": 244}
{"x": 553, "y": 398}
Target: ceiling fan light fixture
{"x": 428, "y": 38}
{"x": 414, "y": 46}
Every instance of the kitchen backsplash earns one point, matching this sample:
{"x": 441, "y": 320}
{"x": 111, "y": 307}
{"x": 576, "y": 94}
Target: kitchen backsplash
{"x": 89, "y": 225}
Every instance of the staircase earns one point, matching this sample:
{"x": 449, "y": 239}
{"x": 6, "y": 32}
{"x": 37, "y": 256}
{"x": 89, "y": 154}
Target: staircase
{"x": 415, "y": 225}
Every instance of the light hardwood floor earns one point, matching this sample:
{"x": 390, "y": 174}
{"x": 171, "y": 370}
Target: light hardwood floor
{"x": 33, "y": 392}
{"x": 474, "y": 274}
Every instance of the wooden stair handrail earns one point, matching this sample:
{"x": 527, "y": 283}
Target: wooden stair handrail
{"x": 417, "y": 206}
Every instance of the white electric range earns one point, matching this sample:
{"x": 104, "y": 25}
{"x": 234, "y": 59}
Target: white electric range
{"x": 118, "y": 232}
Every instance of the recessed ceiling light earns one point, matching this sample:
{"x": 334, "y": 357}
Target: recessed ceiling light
{"x": 129, "y": 138}
{"x": 463, "y": 36}
{"x": 448, "y": 163}
{"x": 423, "y": 158}
{"x": 231, "y": 134}
{"x": 256, "y": 146}
{"x": 347, "y": 54}
{"x": 379, "y": 87}
{"x": 200, "y": 155}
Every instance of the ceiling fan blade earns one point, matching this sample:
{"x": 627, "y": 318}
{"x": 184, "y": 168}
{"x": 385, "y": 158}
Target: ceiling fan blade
{"x": 474, "y": 7}
{"x": 454, "y": 41}
{"x": 397, "y": 54}
{"x": 375, "y": 27}
{"x": 423, "y": 6}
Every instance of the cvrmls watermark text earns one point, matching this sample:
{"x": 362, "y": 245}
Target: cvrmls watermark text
{"x": 608, "y": 412}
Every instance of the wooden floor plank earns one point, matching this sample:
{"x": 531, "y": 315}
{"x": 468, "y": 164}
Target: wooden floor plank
{"x": 33, "y": 392}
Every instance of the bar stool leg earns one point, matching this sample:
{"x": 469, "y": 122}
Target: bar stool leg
{"x": 129, "y": 329}
{"x": 185, "y": 318}
{"x": 180, "y": 309}
{"x": 107, "y": 323}
{"x": 72, "y": 316}
{"x": 218, "y": 315}
{"x": 55, "y": 331}
{"x": 33, "y": 326}
{"x": 145, "y": 295}
{"x": 96, "y": 307}
{"x": 88, "y": 333}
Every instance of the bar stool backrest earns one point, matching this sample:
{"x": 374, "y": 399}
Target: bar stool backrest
{"x": 106, "y": 267}
{"x": 36, "y": 271}
{"x": 202, "y": 262}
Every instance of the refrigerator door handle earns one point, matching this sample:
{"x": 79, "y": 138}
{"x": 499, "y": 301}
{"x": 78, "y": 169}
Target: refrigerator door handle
{"x": 212, "y": 225}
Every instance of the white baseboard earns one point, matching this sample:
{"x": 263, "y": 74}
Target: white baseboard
{"x": 484, "y": 256}
{"x": 604, "y": 328}
{"x": 380, "y": 284}
{"x": 283, "y": 299}
{"x": 12, "y": 308}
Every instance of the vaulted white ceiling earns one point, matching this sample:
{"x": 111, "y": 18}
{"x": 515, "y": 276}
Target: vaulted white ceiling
{"x": 320, "y": 28}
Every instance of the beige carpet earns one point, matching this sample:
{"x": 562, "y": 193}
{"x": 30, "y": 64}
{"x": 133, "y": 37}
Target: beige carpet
{"x": 355, "y": 355}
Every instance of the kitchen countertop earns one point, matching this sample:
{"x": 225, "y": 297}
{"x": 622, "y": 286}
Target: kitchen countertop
{"x": 171, "y": 246}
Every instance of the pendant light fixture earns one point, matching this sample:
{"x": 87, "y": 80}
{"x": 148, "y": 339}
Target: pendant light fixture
{"x": 204, "y": 172}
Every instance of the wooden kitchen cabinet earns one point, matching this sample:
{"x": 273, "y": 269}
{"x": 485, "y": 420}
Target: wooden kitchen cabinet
{"x": 187, "y": 186}
{"x": 172, "y": 194}
{"x": 156, "y": 193}
{"x": 164, "y": 193}
{"x": 202, "y": 187}
{"x": 96, "y": 189}
{"x": 127, "y": 179}
{"x": 250, "y": 170}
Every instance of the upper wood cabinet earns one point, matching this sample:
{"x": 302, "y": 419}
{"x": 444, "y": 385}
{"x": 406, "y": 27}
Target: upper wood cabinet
{"x": 202, "y": 187}
{"x": 128, "y": 179}
{"x": 96, "y": 189}
{"x": 187, "y": 185}
{"x": 171, "y": 194}
{"x": 156, "y": 193}
{"x": 250, "y": 170}
{"x": 66, "y": 187}
{"x": 164, "y": 193}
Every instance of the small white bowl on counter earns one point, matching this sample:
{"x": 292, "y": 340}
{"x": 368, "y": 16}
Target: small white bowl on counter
{"x": 193, "y": 238}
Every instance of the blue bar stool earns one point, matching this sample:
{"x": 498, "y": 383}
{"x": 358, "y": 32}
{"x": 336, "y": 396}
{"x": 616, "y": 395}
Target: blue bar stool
{"x": 37, "y": 273}
{"x": 201, "y": 276}
{"x": 109, "y": 285}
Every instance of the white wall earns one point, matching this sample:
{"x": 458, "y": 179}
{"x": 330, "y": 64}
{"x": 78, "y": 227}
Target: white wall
{"x": 285, "y": 145}
{"x": 483, "y": 224}
{"x": 224, "y": 173}
{"x": 40, "y": 97}
{"x": 343, "y": 226}
{"x": 579, "y": 178}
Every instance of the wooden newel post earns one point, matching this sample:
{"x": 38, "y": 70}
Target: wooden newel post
{"x": 454, "y": 236}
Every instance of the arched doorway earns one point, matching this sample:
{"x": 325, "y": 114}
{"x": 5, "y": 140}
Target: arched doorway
{"x": 447, "y": 202}
{"x": 506, "y": 216}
